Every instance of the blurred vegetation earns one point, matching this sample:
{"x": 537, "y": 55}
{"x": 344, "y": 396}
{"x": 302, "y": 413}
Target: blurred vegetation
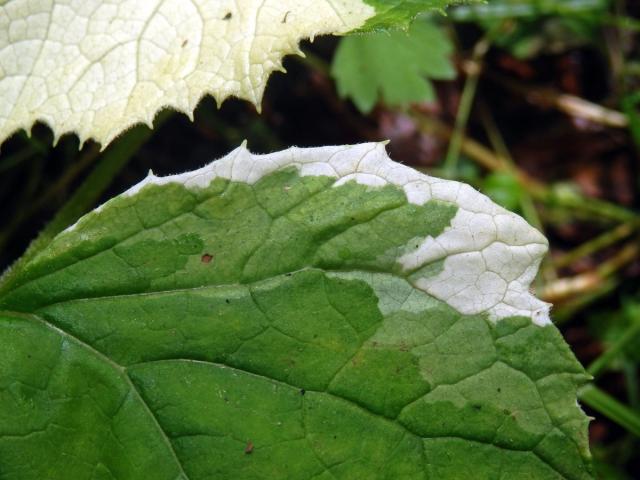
{"x": 536, "y": 103}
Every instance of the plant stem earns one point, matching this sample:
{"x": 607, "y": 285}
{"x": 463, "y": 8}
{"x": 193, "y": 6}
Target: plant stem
{"x": 474, "y": 68}
{"x": 499, "y": 145}
{"x": 597, "y": 209}
{"x": 578, "y": 285}
{"x": 110, "y": 163}
{"x": 569, "y": 104}
{"x": 611, "y": 408}
{"x": 603, "y": 361}
{"x": 70, "y": 174}
{"x": 527, "y": 205}
{"x": 605, "y": 240}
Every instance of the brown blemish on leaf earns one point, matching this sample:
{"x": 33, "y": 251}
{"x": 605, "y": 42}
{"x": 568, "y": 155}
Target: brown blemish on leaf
{"x": 249, "y": 448}
{"x": 227, "y": 16}
{"x": 184, "y": 44}
{"x": 206, "y": 258}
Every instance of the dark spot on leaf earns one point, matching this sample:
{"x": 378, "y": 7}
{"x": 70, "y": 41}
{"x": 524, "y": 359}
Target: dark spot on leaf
{"x": 227, "y": 16}
{"x": 499, "y": 389}
{"x": 206, "y": 258}
{"x": 477, "y": 407}
{"x": 284, "y": 19}
{"x": 249, "y": 448}
{"x": 302, "y": 391}
{"x": 184, "y": 44}
{"x": 288, "y": 274}
{"x": 227, "y": 300}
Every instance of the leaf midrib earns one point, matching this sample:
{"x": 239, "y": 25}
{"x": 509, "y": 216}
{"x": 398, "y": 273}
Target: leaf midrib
{"x": 122, "y": 372}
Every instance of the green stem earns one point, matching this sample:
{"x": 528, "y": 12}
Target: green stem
{"x": 462, "y": 118}
{"x": 610, "y": 408}
{"x": 603, "y": 361}
{"x": 527, "y": 204}
{"x": 44, "y": 199}
{"x": 605, "y": 240}
{"x": 110, "y": 163}
{"x": 499, "y": 145}
{"x": 562, "y": 197}
{"x": 552, "y": 196}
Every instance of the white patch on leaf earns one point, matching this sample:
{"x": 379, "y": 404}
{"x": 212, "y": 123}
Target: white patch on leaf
{"x": 490, "y": 255}
{"x": 97, "y": 68}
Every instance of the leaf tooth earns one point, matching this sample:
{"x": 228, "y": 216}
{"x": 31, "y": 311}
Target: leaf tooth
{"x": 57, "y": 133}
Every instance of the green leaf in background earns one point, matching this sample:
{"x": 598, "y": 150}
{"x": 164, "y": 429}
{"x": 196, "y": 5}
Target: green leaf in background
{"x": 309, "y": 314}
{"x": 504, "y": 189}
{"x": 395, "y": 66}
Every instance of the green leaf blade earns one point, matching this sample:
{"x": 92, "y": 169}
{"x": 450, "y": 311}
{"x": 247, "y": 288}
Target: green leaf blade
{"x": 74, "y": 412}
{"x": 285, "y": 316}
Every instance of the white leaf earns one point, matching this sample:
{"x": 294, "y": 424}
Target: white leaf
{"x": 96, "y": 68}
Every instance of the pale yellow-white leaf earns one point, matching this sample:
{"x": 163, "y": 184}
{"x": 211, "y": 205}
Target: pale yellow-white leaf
{"x": 97, "y": 67}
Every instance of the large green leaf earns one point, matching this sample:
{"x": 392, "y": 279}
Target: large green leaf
{"x": 310, "y": 314}
{"x": 96, "y": 68}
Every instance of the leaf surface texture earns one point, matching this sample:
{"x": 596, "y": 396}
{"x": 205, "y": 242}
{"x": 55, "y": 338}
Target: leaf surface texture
{"x": 96, "y": 68}
{"x": 309, "y": 314}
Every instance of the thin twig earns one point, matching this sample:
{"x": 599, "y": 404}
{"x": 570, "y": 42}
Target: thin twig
{"x": 605, "y": 240}
{"x": 568, "y": 287}
{"x": 569, "y": 104}
{"x": 486, "y": 158}
{"x": 473, "y": 68}
{"x": 601, "y": 363}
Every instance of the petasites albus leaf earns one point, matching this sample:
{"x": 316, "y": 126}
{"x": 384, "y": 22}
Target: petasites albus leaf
{"x": 96, "y": 68}
{"x": 318, "y": 313}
